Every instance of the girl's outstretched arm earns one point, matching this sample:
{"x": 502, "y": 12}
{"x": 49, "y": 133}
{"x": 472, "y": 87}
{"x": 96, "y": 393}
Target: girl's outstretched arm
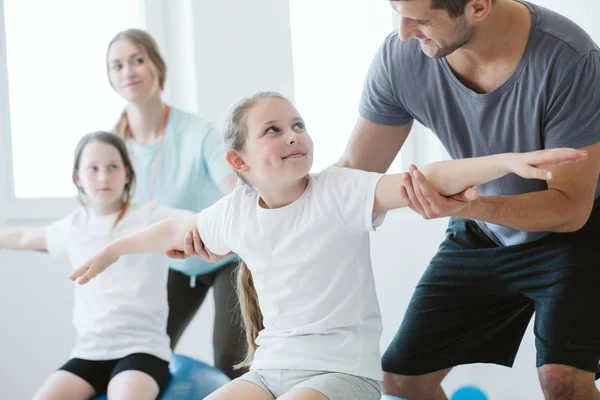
{"x": 156, "y": 238}
{"x": 23, "y": 238}
{"x": 454, "y": 176}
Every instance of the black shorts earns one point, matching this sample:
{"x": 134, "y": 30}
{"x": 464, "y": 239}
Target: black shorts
{"x": 475, "y": 300}
{"x": 99, "y": 373}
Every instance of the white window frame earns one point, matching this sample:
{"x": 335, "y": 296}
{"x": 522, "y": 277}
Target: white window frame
{"x": 11, "y": 207}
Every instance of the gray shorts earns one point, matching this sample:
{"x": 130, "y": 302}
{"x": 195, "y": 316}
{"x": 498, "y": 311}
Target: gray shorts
{"x": 334, "y": 385}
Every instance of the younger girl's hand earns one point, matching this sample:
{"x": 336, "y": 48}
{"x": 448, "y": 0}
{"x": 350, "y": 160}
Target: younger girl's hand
{"x": 533, "y": 165}
{"x": 95, "y": 266}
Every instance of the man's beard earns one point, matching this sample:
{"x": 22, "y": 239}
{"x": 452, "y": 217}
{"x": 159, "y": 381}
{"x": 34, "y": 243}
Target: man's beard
{"x": 465, "y": 32}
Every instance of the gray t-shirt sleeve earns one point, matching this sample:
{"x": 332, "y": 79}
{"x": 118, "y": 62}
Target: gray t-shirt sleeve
{"x": 574, "y": 112}
{"x": 378, "y": 103}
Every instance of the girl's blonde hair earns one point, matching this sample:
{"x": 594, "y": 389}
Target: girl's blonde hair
{"x": 143, "y": 41}
{"x": 112, "y": 140}
{"x": 235, "y": 137}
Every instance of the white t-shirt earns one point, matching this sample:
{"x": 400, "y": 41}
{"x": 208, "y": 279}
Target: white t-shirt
{"x": 311, "y": 266}
{"x": 123, "y": 310}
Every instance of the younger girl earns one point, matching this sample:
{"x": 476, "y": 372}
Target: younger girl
{"x": 308, "y": 294}
{"x": 120, "y": 319}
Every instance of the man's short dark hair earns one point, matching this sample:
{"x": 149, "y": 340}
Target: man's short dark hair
{"x": 455, "y": 8}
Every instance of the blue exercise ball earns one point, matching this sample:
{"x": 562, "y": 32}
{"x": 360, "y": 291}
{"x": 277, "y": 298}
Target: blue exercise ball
{"x": 190, "y": 380}
{"x": 469, "y": 393}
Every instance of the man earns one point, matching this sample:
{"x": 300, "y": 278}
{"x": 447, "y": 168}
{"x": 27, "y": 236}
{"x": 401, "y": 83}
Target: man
{"x": 489, "y": 77}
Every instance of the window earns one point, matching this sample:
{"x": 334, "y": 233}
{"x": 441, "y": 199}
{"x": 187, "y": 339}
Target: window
{"x": 53, "y": 62}
{"x": 333, "y": 44}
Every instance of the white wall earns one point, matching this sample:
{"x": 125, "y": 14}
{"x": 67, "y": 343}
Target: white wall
{"x": 236, "y": 47}
{"x": 239, "y": 47}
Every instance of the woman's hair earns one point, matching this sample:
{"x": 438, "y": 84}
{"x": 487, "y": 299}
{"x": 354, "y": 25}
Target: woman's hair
{"x": 112, "y": 140}
{"x": 143, "y": 41}
{"x": 235, "y": 137}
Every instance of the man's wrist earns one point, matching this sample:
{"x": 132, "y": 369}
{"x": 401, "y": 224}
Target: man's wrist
{"x": 471, "y": 209}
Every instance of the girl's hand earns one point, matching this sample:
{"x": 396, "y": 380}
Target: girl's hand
{"x": 532, "y": 165}
{"x": 95, "y": 266}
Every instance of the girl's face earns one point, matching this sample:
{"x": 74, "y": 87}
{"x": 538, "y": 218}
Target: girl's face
{"x": 131, "y": 73}
{"x": 278, "y": 149}
{"x": 102, "y": 175}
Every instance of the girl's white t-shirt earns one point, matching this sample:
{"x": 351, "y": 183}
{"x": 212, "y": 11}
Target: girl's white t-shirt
{"x": 311, "y": 266}
{"x": 123, "y": 310}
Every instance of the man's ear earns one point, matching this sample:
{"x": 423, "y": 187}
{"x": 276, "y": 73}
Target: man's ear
{"x": 478, "y": 10}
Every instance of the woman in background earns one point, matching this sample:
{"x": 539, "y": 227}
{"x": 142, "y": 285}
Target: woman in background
{"x": 179, "y": 161}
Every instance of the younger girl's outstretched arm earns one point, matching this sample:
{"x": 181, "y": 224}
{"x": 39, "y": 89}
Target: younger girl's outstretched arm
{"x": 156, "y": 238}
{"x": 23, "y": 238}
{"x": 454, "y": 176}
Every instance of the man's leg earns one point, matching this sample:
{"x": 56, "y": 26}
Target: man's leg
{"x": 426, "y": 387}
{"x": 561, "y": 274}
{"x": 460, "y": 313}
{"x": 562, "y": 382}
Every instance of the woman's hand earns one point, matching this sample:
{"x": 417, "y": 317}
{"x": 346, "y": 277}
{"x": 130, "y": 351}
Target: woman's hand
{"x": 193, "y": 246}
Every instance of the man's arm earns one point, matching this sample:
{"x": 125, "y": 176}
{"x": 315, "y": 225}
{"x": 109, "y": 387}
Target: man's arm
{"x": 564, "y": 207}
{"x": 373, "y": 147}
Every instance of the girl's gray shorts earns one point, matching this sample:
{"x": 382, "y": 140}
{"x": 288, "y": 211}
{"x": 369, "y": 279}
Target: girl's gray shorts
{"x": 334, "y": 385}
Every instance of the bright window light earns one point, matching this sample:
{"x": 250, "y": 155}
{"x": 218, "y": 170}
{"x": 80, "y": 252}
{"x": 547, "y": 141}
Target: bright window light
{"x": 58, "y": 88}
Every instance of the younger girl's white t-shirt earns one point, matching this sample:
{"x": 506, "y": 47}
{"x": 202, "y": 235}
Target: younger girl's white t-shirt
{"x": 123, "y": 310}
{"x": 311, "y": 266}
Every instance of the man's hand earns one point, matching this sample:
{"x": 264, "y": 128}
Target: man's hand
{"x": 193, "y": 246}
{"x": 426, "y": 201}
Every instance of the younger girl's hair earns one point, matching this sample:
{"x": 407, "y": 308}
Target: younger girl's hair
{"x": 112, "y": 140}
{"x": 144, "y": 42}
{"x": 235, "y": 138}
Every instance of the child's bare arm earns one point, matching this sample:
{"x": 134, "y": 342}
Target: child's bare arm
{"x": 454, "y": 176}
{"x": 23, "y": 238}
{"x": 158, "y": 237}
{"x": 155, "y": 238}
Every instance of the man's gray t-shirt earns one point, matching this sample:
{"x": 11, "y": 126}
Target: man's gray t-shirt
{"x": 551, "y": 100}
